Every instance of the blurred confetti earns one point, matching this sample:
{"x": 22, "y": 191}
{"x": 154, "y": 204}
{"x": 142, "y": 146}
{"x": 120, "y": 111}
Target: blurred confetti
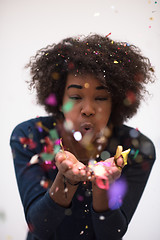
{"x": 77, "y": 135}
{"x": 97, "y": 14}
{"x": 2, "y": 215}
{"x": 116, "y": 193}
{"x": 67, "y": 106}
{"x": 51, "y": 100}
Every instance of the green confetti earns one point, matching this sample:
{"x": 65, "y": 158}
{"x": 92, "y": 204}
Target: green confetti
{"x": 53, "y": 133}
{"x": 136, "y": 153}
{"x": 47, "y": 156}
{"x": 57, "y": 148}
{"x": 67, "y": 106}
{"x": 2, "y": 216}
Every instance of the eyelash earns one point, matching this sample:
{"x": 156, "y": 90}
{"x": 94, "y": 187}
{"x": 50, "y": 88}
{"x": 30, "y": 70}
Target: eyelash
{"x": 75, "y": 98}
{"x": 98, "y": 99}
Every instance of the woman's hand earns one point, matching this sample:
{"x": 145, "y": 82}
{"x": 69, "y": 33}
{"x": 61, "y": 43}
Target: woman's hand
{"x": 106, "y": 172}
{"x": 70, "y": 167}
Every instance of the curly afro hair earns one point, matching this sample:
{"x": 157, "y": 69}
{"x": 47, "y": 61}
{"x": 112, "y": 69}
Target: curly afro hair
{"x": 119, "y": 67}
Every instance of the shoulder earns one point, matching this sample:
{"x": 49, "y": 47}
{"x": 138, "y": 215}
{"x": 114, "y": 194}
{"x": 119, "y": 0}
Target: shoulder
{"x": 33, "y": 123}
{"x": 35, "y": 127}
{"x": 140, "y": 145}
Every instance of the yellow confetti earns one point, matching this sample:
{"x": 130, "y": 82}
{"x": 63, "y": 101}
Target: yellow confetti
{"x": 55, "y": 75}
{"x": 39, "y": 124}
{"x": 125, "y": 156}
{"x": 115, "y": 61}
{"x": 86, "y": 85}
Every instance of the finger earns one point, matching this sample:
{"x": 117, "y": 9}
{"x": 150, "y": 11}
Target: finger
{"x": 60, "y": 156}
{"x": 65, "y": 166}
{"x": 119, "y": 163}
{"x": 70, "y": 174}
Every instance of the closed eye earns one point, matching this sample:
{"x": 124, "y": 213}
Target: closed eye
{"x": 101, "y": 98}
{"x": 75, "y": 97}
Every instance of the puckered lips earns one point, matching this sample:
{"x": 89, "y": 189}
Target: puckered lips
{"x": 87, "y": 127}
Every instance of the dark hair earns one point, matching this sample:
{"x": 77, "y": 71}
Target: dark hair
{"x": 120, "y": 67}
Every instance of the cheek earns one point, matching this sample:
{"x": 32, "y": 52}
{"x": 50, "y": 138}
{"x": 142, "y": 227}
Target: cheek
{"x": 71, "y": 116}
{"x": 103, "y": 113}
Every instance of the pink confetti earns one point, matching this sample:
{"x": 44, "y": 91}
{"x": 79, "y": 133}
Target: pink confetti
{"x": 80, "y": 198}
{"x": 102, "y": 183}
{"x": 51, "y": 100}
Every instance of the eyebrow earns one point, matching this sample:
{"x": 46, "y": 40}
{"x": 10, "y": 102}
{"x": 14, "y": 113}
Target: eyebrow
{"x": 100, "y": 88}
{"x": 74, "y": 86}
{"x": 80, "y": 87}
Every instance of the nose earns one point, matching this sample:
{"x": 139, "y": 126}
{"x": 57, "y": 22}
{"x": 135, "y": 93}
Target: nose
{"x": 88, "y": 110}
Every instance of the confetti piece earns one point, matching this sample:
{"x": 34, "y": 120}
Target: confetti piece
{"x": 115, "y": 61}
{"x": 80, "y": 198}
{"x": 101, "y": 217}
{"x": 53, "y": 133}
{"x": 57, "y": 142}
{"x": 44, "y": 183}
{"x": 105, "y": 155}
{"x": 136, "y": 153}
{"x": 67, "y": 106}
{"x": 134, "y": 133}
{"x": 49, "y": 145}
{"x": 68, "y": 212}
{"x": 102, "y": 183}
{"x": 28, "y": 142}
{"x": 77, "y": 135}
{"x": 34, "y": 159}
{"x": 116, "y": 193}
{"x": 68, "y": 125}
{"x": 86, "y": 85}
{"x": 55, "y": 75}
{"x": 2, "y": 215}
{"x": 40, "y": 125}
{"x": 51, "y": 100}
{"x": 96, "y": 14}
{"x": 99, "y": 170}
{"x": 125, "y": 155}
{"x": 130, "y": 98}
{"x": 57, "y": 148}
{"x": 108, "y": 34}
{"x": 118, "y": 152}
{"x": 47, "y": 156}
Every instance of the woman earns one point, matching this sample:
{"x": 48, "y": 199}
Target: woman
{"x": 70, "y": 183}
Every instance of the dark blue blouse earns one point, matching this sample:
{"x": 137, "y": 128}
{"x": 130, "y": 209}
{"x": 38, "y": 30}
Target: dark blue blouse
{"x": 46, "y": 219}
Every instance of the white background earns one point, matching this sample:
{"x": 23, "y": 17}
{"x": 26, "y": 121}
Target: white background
{"x": 25, "y": 27}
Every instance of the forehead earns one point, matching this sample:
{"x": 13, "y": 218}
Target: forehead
{"x": 83, "y": 80}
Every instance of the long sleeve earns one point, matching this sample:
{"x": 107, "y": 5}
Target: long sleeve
{"x": 42, "y": 214}
{"x": 114, "y": 222}
{"x": 110, "y": 225}
{"x": 47, "y": 220}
